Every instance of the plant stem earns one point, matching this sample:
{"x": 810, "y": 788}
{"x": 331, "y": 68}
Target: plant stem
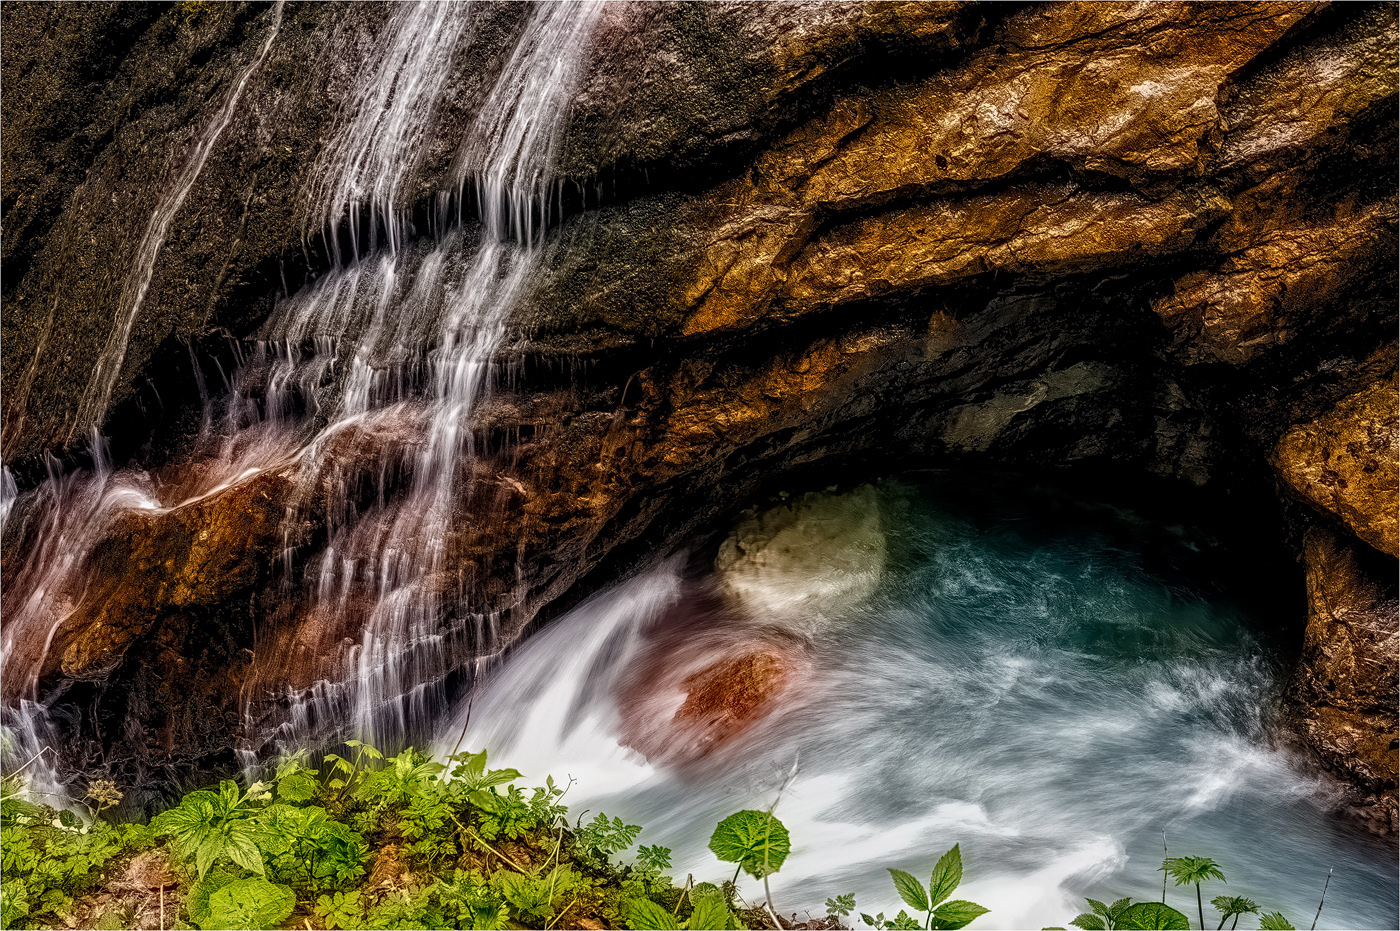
{"x": 1201, "y": 909}
{"x": 772, "y": 912}
{"x": 482, "y": 841}
{"x": 685, "y": 890}
{"x": 1164, "y": 863}
{"x": 562, "y": 914}
{"x": 1323, "y": 899}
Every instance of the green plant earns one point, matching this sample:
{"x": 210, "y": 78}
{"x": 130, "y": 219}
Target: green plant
{"x": 1233, "y": 906}
{"x": 840, "y": 907}
{"x": 209, "y": 826}
{"x": 14, "y": 902}
{"x": 340, "y": 910}
{"x": 468, "y": 899}
{"x": 710, "y": 913}
{"x": 406, "y": 908}
{"x": 346, "y": 776}
{"x": 901, "y": 922}
{"x": 1101, "y": 917}
{"x": 1274, "y": 921}
{"x": 1193, "y": 871}
{"x": 602, "y": 838}
{"x": 941, "y": 912}
{"x": 755, "y": 840}
{"x": 247, "y": 904}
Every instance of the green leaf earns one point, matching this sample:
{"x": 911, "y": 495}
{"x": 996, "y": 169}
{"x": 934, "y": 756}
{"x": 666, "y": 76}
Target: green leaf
{"x": 947, "y": 874}
{"x": 910, "y": 890}
{"x": 249, "y": 904}
{"x": 242, "y": 850}
{"x": 1154, "y": 916}
{"x": 207, "y": 852}
{"x": 1274, "y": 921}
{"x": 903, "y": 922}
{"x": 1089, "y": 922}
{"x": 755, "y": 840}
{"x": 646, "y": 915}
{"x": 957, "y": 913}
{"x": 710, "y": 914}
{"x": 296, "y": 787}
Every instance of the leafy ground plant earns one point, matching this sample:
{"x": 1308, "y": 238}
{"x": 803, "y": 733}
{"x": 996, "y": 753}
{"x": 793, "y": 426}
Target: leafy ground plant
{"x": 1193, "y": 871}
{"x": 941, "y": 912}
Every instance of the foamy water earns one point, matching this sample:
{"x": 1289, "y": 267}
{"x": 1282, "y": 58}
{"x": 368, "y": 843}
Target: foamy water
{"x": 1041, "y": 697}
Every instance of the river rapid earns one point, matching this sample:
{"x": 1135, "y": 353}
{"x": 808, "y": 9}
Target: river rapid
{"x": 1044, "y": 680}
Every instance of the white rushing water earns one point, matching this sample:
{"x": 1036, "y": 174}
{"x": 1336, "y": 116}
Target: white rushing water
{"x": 1036, "y": 696}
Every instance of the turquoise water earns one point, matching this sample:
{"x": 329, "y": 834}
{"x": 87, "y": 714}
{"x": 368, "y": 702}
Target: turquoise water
{"x": 1049, "y": 682}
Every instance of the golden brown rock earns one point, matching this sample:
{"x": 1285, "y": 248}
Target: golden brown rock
{"x": 1038, "y": 230}
{"x": 1345, "y": 464}
{"x": 1261, "y": 296}
{"x": 1345, "y": 686}
{"x": 1315, "y": 91}
{"x": 723, "y": 699}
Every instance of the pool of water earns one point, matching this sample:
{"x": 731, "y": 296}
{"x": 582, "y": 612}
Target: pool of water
{"x": 1047, "y": 681}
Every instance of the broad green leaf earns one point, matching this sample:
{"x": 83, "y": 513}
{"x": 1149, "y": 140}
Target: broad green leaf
{"x": 1089, "y": 922}
{"x": 296, "y": 787}
{"x": 957, "y": 913}
{"x": 910, "y": 890}
{"x": 1274, "y": 921}
{"x": 249, "y": 905}
{"x": 1154, "y": 916}
{"x": 755, "y": 840}
{"x": 207, "y": 852}
{"x": 241, "y": 850}
{"x": 486, "y": 801}
{"x": 646, "y": 915}
{"x": 947, "y": 874}
{"x": 1117, "y": 908}
{"x": 1098, "y": 907}
{"x": 710, "y": 914}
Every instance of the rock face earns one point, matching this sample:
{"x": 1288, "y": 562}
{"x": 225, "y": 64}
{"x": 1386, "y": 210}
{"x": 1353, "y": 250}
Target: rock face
{"x": 1346, "y": 463}
{"x": 1346, "y": 693}
{"x": 1149, "y": 239}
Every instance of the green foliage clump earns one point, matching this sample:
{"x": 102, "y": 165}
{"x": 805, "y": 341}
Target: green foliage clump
{"x": 455, "y": 845}
{"x": 48, "y": 858}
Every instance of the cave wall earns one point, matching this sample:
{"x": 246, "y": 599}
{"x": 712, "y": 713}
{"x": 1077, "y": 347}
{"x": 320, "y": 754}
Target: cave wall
{"x": 1147, "y": 240}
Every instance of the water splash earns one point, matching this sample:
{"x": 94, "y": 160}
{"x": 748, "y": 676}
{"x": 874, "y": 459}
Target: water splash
{"x": 1039, "y": 698}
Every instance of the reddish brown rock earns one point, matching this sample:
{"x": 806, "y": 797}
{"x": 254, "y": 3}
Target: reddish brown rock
{"x": 728, "y": 696}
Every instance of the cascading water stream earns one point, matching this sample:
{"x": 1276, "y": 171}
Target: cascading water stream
{"x": 944, "y": 664}
{"x": 396, "y": 557}
{"x": 394, "y": 344}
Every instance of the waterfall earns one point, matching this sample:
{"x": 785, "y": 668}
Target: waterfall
{"x": 367, "y": 164}
{"x": 392, "y": 349}
{"x": 410, "y": 316}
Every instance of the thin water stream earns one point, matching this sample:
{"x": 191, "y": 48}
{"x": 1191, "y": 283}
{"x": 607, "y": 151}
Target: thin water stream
{"x": 943, "y": 666}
